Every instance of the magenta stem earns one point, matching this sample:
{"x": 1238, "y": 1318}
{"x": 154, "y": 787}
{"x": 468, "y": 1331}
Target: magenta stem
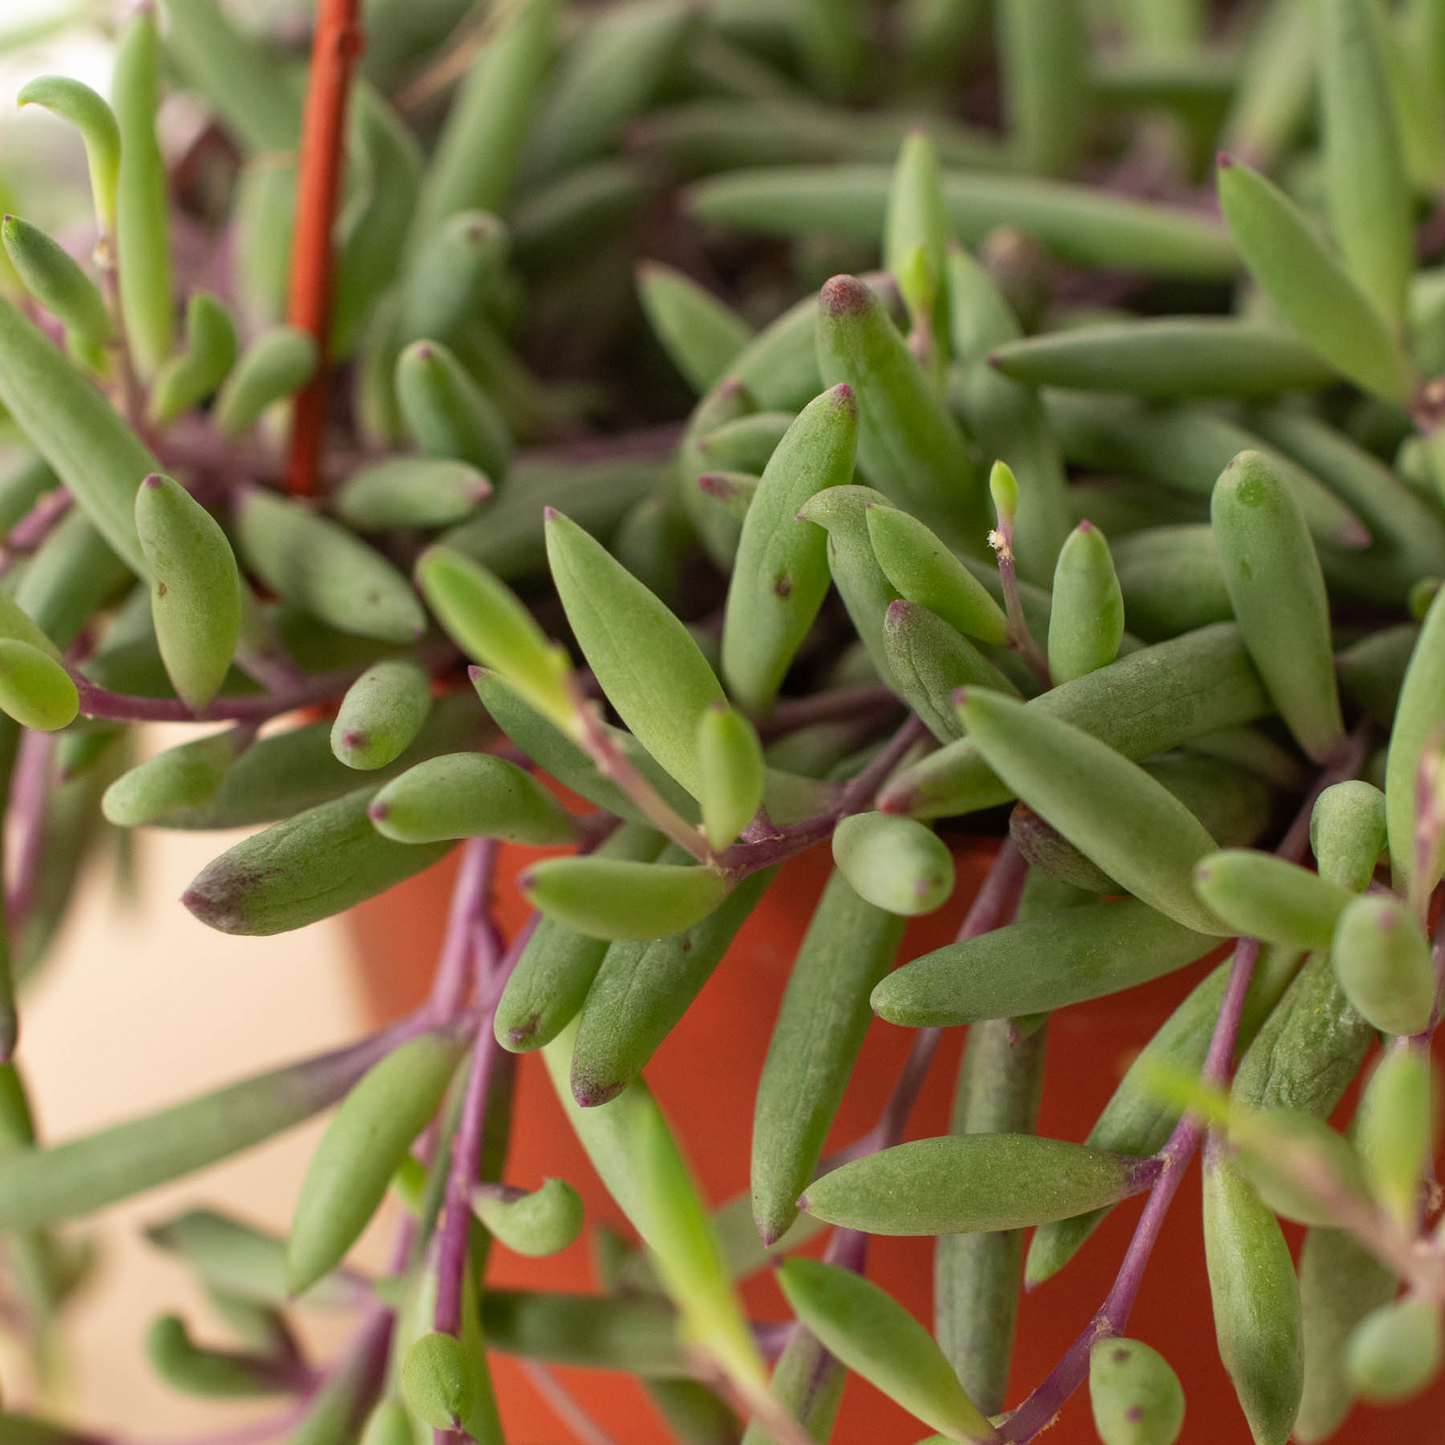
{"x": 456, "y": 1221}
{"x": 34, "y": 527}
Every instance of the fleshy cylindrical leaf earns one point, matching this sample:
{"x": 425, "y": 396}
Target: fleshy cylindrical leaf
{"x": 1269, "y": 898}
{"x": 76, "y": 102}
{"x": 617, "y": 898}
{"x": 963, "y": 1183}
{"x": 780, "y": 573}
{"x": 1109, "y": 808}
{"x": 56, "y": 280}
{"x": 1086, "y": 621}
{"x": 1347, "y": 833}
{"x": 1396, "y": 1350}
{"x": 185, "y": 776}
{"x": 192, "y": 376}
{"x": 360, "y": 1151}
{"x": 700, "y": 334}
{"x": 1273, "y": 576}
{"x": 1395, "y": 1133}
{"x": 730, "y": 773}
{"x": 325, "y": 570}
{"x": 381, "y": 714}
{"x": 894, "y": 863}
{"x": 645, "y": 660}
{"x": 1136, "y": 1397}
{"x": 447, "y": 413}
{"x": 875, "y": 1336}
{"x": 1383, "y": 963}
{"x": 539, "y": 1223}
{"x": 469, "y": 795}
{"x": 195, "y": 588}
{"x": 276, "y": 364}
{"x": 1256, "y": 1301}
{"x": 410, "y": 492}
{"x": 1308, "y": 284}
{"x": 35, "y": 689}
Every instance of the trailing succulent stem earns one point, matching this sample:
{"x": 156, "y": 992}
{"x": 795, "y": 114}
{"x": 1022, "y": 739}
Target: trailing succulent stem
{"x": 501, "y": 441}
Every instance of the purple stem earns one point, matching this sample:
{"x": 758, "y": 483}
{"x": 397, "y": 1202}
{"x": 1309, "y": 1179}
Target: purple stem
{"x": 311, "y": 688}
{"x": 28, "y": 789}
{"x": 1041, "y": 1407}
{"x": 745, "y": 858}
{"x": 842, "y": 704}
{"x": 469, "y": 900}
{"x": 456, "y": 1222}
{"x": 34, "y": 527}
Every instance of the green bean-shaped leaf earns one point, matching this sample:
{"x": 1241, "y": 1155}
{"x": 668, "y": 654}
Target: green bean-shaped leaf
{"x": 447, "y": 413}
{"x": 1273, "y": 576}
{"x": 1135, "y": 1395}
{"x": 558, "y": 964}
{"x": 35, "y": 689}
{"x": 1086, "y": 622}
{"x": 540, "y": 1223}
{"x": 700, "y": 334}
{"x": 85, "y": 1174}
{"x": 1340, "y": 1283}
{"x": 315, "y": 864}
{"x": 645, "y": 660}
{"x": 1393, "y": 1131}
{"x": 1110, "y": 809}
{"x": 1278, "y": 1146}
{"x": 439, "y": 1381}
{"x": 636, "y": 1334}
{"x": 381, "y": 714}
{"x": 246, "y": 84}
{"x": 486, "y": 620}
{"x": 924, "y": 571}
{"x": 1308, "y": 284}
{"x": 1259, "y": 894}
{"x": 745, "y": 444}
{"x": 1382, "y": 959}
{"x": 410, "y": 492}
{"x": 824, "y": 1014}
{"x": 476, "y": 155}
{"x": 1166, "y": 357}
{"x": 1256, "y": 1301}
{"x": 964, "y": 1183}
{"x": 907, "y": 444}
{"x": 209, "y": 355}
{"x": 185, "y": 1366}
{"x": 90, "y": 448}
{"x": 143, "y": 238}
{"x": 611, "y": 72}
{"x": 643, "y": 989}
{"x": 1079, "y": 223}
{"x": 365, "y": 1141}
{"x": 279, "y": 362}
{"x": 730, "y": 773}
{"x": 185, "y": 776}
{"x": 866, "y": 592}
{"x": 240, "y": 1261}
{"x": 1396, "y": 1351}
{"x": 56, "y": 280}
{"x": 1042, "y": 963}
{"x": 1140, "y": 704}
{"x": 469, "y": 795}
{"x": 456, "y": 270}
{"x": 894, "y": 863}
{"x": 871, "y": 1333}
{"x": 1417, "y": 720}
{"x": 1309, "y": 1049}
{"x": 195, "y": 588}
{"x": 326, "y": 571}
{"x": 618, "y": 898}
{"x": 76, "y": 102}
{"x": 685, "y": 1249}
{"x": 1347, "y": 833}
{"x": 780, "y": 573}
{"x": 1369, "y": 197}
{"x": 915, "y": 233}
{"x": 929, "y": 662}
{"x": 1042, "y": 50}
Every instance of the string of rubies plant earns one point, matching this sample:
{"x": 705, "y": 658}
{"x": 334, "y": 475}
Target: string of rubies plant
{"x": 1099, "y": 562}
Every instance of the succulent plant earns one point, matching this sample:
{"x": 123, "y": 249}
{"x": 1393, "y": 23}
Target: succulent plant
{"x": 508, "y": 401}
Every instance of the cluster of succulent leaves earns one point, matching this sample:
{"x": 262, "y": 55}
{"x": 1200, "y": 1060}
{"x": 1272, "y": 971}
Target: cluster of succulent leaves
{"x": 1097, "y": 516}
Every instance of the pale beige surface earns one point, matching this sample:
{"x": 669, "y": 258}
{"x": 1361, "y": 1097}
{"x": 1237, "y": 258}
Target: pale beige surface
{"x": 137, "y": 1008}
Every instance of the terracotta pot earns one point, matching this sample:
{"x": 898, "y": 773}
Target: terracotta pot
{"x": 706, "y": 1074}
